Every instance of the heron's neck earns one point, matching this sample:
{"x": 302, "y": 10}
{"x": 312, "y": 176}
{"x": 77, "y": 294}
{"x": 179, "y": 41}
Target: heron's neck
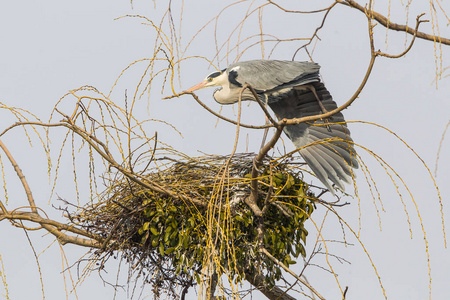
{"x": 224, "y": 95}
{"x": 227, "y": 95}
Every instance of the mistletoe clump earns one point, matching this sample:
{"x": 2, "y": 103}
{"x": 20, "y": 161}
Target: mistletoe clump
{"x": 168, "y": 240}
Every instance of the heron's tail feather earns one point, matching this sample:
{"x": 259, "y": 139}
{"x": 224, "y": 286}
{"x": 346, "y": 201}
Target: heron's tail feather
{"x": 329, "y": 153}
{"x": 328, "y": 164}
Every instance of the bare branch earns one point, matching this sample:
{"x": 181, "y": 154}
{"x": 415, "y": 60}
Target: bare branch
{"x": 299, "y": 11}
{"x": 271, "y": 257}
{"x": 214, "y": 113}
{"x": 55, "y": 228}
{"x": 22, "y": 179}
{"x": 262, "y": 105}
{"x": 274, "y": 293}
{"x": 328, "y": 9}
{"x": 418, "y": 21}
{"x": 394, "y": 26}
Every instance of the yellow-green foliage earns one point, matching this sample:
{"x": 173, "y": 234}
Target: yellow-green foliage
{"x": 169, "y": 236}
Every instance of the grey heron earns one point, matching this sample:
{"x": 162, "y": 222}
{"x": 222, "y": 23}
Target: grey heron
{"x": 293, "y": 90}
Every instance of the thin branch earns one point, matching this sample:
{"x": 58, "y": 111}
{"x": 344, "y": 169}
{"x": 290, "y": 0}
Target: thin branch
{"x": 3, "y": 208}
{"x": 298, "y": 11}
{"x": 328, "y": 9}
{"x": 275, "y": 260}
{"x": 275, "y": 293}
{"x": 22, "y": 179}
{"x": 440, "y": 146}
{"x": 394, "y": 26}
{"x": 55, "y": 228}
{"x": 418, "y": 21}
{"x": 261, "y": 104}
{"x": 213, "y": 112}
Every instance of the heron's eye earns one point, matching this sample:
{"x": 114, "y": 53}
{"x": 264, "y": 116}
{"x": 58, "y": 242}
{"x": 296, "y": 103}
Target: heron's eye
{"x": 210, "y": 79}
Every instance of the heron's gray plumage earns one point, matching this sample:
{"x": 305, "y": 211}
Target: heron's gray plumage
{"x": 286, "y": 86}
{"x": 283, "y": 74}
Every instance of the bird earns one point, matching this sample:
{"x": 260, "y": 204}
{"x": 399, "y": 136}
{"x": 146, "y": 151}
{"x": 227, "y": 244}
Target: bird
{"x": 293, "y": 89}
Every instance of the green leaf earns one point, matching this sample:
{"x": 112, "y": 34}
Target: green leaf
{"x": 190, "y": 263}
{"x": 174, "y": 224}
{"x": 167, "y": 234}
{"x": 274, "y": 239}
{"x": 144, "y": 238}
{"x": 185, "y": 241}
{"x": 239, "y": 218}
{"x": 302, "y": 250}
{"x": 178, "y": 270}
{"x": 277, "y": 179}
{"x": 301, "y": 193}
{"x": 290, "y": 181}
{"x": 146, "y": 225}
{"x": 154, "y": 231}
{"x": 169, "y": 250}
{"x": 289, "y": 260}
{"x": 149, "y": 212}
{"x": 303, "y": 235}
{"x": 199, "y": 252}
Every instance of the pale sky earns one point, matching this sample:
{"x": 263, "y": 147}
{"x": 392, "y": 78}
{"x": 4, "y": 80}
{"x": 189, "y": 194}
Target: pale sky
{"x": 50, "y": 47}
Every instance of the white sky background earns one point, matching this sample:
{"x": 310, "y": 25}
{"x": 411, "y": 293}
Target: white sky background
{"x": 50, "y": 47}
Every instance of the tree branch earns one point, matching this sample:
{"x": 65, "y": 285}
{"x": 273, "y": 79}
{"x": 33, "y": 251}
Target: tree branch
{"x": 394, "y": 26}
{"x": 275, "y": 260}
{"x": 55, "y": 228}
{"x": 275, "y": 293}
{"x": 22, "y": 179}
{"x": 418, "y": 21}
{"x": 213, "y": 112}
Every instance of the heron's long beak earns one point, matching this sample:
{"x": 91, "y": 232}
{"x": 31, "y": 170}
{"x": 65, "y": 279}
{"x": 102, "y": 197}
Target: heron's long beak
{"x": 198, "y": 86}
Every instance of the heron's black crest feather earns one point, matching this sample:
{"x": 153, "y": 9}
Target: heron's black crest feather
{"x": 232, "y": 75}
{"x": 214, "y": 74}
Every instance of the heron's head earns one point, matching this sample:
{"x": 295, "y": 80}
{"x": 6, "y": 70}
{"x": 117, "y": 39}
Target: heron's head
{"x": 213, "y": 79}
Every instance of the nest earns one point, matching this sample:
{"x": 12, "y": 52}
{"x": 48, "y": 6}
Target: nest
{"x": 169, "y": 240}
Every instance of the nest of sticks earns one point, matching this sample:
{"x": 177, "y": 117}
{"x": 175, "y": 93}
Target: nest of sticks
{"x": 167, "y": 239}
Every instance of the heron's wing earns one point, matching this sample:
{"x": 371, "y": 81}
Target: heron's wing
{"x": 329, "y": 154}
{"x": 268, "y": 75}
